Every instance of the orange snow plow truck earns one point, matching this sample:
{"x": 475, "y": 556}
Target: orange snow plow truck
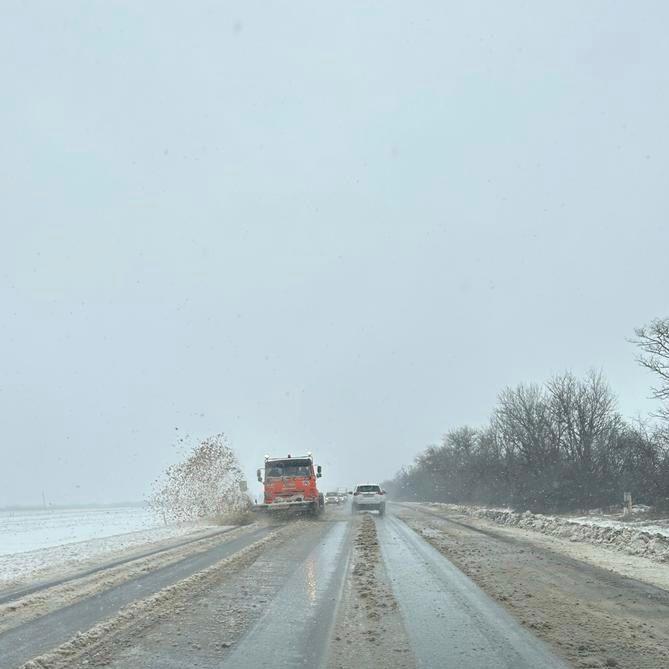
{"x": 290, "y": 483}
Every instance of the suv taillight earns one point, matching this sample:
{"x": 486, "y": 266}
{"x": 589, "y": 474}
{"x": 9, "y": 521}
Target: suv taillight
{"x": 355, "y": 493}
{"x": 382, "y": 492}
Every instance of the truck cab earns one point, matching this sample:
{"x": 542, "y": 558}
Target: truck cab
{"x": 290, "y": 483}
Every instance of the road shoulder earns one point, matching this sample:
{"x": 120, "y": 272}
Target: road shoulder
{"x": 625, "y": 564}
{"x": 592, "y": 617}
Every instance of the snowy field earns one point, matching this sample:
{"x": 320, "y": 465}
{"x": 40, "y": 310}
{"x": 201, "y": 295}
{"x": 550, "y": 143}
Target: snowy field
{"x": 22, "y": 531}
{"x": 34, "y": 543}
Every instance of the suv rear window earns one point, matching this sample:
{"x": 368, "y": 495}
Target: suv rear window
{"x": 368, "y": 488}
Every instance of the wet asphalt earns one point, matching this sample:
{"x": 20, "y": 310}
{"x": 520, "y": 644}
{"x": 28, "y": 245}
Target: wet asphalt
{"x": 20, "y": 644}
{"x": 450, "y": 621}
{"x": 295, "y": 629}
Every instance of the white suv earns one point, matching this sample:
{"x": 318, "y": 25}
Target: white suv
{"x": 369, "y": 496}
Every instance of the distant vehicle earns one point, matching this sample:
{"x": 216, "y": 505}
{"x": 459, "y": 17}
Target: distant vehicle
{"x": 332, "y": 498}
{"x": 290, "y": 483}
{"x": 343, "y": 494}
{"x": 369, "y": 496}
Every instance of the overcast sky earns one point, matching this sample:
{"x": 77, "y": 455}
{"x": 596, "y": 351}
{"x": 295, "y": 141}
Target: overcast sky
{"x": 335, "y": 226}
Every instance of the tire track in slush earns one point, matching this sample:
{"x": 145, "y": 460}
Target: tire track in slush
{"x": 450, "y": 621}
{"x": 295, "y": 629}
{"x": 22, "y": 643}
{"x": 8, "y": 596}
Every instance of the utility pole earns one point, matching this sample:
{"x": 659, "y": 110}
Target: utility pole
{"x": 627, "y": 504}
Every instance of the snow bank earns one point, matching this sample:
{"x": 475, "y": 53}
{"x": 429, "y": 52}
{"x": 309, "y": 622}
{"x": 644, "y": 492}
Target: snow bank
{"x": 657, "y": 527}
{"x": 636, "y": 539}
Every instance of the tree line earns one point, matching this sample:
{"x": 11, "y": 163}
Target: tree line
{"x": 557, "y": 446}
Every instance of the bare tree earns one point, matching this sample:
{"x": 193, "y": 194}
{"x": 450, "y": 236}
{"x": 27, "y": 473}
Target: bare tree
{"x": 584, "y": 417}
{"x": 523, "y": 421}
{"x": 653, "y": 341}
{"x": 561, "y": 445}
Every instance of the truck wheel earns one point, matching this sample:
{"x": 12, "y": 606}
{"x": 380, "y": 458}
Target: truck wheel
{"x": 317, "y": 507}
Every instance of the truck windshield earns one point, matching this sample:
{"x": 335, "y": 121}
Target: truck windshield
{"x": 288, "y": 468}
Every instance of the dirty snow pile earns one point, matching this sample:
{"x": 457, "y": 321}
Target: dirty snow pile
{"x": 644, "y": 540}
{"x": 654, "y": 527}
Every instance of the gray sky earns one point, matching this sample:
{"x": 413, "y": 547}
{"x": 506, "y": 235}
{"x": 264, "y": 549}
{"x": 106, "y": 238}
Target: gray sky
{"x": 341, "y": 227}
